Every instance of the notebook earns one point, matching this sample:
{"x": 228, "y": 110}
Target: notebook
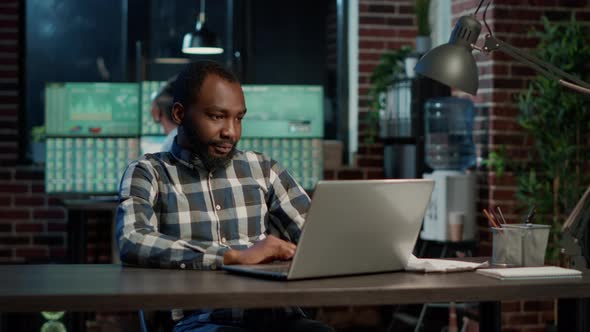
{"x": 354, "y": 227}
{"x": 526, "y": 273}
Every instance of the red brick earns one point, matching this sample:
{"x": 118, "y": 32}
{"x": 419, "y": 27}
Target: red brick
{"x": 548, "y": 317}
{"x": 381, "y": 9}
{"x": 15, "y": 214}
{"x": 370, "y": 162}
{"x": 9, "y": 112}
{"x": 32, "y": 252}
{"x": 371, "y": 20}
{"x": 406, "y": 9}
{"x": 6, "y": 125}
{"x": 8, "y": 99}
{"x": 8, "y": 35}
{"x": 5, "y": 200}
{"x": 29, "y": 227}
{"x": 49, "y": 213}
{"x": 504, "y": 180}
{"x": 329, "y": 174}
{"x": 377, "y": 32}
{"x": 50, "y": 240}
{"x": 506, "y": 139}
{"x": 5, "y": 174}
{"x": 14, "y": 240}
{"x": 504, "y": 124}
{"x": 538, "y": 305}
{"x": 558, "y": 15}
{"x": 400, "y": 21}
{"x": 395, "y": 45}
{"x": 9, "y": 24}
{"x": 29, "y": 200}
{"x": 502, "y": 83}
{"x": 366, "y": 67}
{"x": 58, "y": 252}
{"x": 54, "y": 201}
{"x": 524, "y": 318}
{"x": 371, "y": 44}
{"x": 13, "y": 188}
{"x": 62, "y": 226}
{"x": 511, "y": 306}
{"x": 31, "y": 174}
{"x": 37, "y": 188}
{"x": 522, "y": 71}
{"x": 5, "y": 227}
{"x": 375, "y": 174}
{"x": 363, "y": 56}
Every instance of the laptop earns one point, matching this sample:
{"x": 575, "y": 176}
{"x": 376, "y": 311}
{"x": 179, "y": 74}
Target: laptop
{"x": 354, "y": 227}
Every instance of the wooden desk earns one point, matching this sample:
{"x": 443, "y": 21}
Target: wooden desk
{"x": 82, "y": 287}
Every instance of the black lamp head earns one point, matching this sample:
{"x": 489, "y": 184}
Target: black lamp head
{"x": 201, "y": 41}
{"x": 452, "y": 63}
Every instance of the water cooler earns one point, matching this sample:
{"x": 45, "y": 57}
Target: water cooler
{"x": 450, "y": 151}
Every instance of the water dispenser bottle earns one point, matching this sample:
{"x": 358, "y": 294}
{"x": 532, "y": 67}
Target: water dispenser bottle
{"x": 448, "y": 133}
{"x": 449, "y": 151}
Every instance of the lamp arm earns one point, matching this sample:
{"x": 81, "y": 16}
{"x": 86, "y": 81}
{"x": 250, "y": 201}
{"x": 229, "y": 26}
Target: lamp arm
{"x": 491, "y": 44}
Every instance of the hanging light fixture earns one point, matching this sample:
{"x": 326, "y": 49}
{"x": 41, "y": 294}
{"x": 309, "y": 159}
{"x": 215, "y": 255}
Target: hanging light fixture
{"x": 201, "y": 41}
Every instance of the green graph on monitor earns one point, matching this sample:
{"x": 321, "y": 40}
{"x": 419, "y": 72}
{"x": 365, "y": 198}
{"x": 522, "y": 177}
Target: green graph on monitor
{"x": 92, "y": 109}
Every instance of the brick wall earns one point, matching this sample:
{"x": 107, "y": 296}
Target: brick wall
{"x": 32, "y": 225}
{"x": 383, "y": 25}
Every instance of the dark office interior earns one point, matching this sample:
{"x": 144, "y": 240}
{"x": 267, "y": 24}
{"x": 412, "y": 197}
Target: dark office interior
{"x": 523, "y": 139}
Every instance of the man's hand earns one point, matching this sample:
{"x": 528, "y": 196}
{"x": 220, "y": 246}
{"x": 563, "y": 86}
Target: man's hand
{"x": 267, "y": 250}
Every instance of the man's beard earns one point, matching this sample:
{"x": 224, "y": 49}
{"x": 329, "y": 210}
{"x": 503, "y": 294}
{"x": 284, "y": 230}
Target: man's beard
{"x": 202, "y": 149}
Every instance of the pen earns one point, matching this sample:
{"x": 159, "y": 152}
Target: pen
{"x": 531, "y": 216}
{"x": 501, "y": 214}
{"x": 491, "y": 220}
{"x": 496, "y": 218}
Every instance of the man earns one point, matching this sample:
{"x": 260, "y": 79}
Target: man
{"x": 205, "y": 203}
{"x": 161, "y": 110}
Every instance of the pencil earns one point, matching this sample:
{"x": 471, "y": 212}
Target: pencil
{"x": 490, "y": 219}
{"x": 501, "y": 214}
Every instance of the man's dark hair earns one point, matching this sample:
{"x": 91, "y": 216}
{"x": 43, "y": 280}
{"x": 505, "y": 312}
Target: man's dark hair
{"x": 164, "y": 99}
{"x": 189, "y": 81}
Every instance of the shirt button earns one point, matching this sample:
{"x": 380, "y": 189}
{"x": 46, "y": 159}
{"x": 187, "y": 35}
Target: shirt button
{"x": 218, "y": 207}
{"x": 182, "y": 265}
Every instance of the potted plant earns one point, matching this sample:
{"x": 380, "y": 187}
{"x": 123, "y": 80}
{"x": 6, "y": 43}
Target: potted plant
{"x": 389, "y": 70}
{"x": 423, "y": 41}
{"x": 38, "y": 144}
{"x": 552, "y": 178}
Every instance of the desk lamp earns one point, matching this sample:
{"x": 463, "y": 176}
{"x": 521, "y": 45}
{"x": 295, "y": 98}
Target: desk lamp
{"x": 454, "y": 65}
{"x": 201, "y": 41}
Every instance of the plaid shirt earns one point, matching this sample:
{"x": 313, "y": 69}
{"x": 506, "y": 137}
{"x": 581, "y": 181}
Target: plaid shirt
{"x": 173, "y": 213}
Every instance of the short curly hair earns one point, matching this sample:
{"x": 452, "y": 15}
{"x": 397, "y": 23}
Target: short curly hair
{"x": 189, "y": 81}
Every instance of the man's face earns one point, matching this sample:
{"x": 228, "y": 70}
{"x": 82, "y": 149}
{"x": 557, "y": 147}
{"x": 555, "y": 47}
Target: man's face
{"x": 213, "y": 125}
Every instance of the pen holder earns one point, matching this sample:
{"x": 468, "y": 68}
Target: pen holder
{"x": 519, "y": 245}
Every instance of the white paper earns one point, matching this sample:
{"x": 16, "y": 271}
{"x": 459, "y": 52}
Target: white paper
{"x": 441, "y": 265}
